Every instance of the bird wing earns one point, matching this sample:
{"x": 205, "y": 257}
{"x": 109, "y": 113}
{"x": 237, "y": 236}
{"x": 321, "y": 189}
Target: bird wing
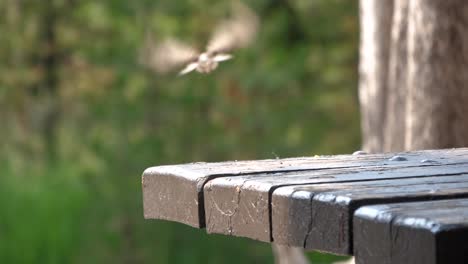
{"x": 236, "y": 32}
{"x": 166, "y": 56}
{"x": 222, "y": 57}
{"x": 189, "y": 68}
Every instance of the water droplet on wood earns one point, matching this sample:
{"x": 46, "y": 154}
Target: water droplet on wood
{"x": 359, "y": 152}
{"x": 397, "y": 158}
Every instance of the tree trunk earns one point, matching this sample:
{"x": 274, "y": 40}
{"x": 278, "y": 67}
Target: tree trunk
{"x": 376, "y": 18}
{"x": 415, "y": 97}
{"x": 394, "y": 139}
{"x": 437, "y": 85}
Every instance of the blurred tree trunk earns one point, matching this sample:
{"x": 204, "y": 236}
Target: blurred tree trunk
{"x": 437, "y": 80}
{"x": 395, "y": 102}
{"x": 49, "y": 84}
{"x": 376, "y": 21}
{"x": 414, "y": 81}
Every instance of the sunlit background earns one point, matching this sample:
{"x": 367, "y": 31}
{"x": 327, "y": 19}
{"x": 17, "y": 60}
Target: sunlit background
{"x": 81, "y": 119}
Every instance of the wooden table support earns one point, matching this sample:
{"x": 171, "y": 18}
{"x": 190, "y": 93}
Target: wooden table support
{"x": 302, "y": 202}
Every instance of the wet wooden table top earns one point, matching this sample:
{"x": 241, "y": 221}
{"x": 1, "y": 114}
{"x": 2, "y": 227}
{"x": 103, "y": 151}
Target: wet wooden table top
{"x": 341, "y": 204}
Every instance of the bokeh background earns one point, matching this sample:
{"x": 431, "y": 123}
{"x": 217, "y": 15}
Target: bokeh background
{"x": 81, "y": 119}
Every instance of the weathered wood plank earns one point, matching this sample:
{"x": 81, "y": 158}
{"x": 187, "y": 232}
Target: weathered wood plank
{"x": 319, "y": 216}
{"x": 175, "y": 192}
{"x": 240, "y": 205}
{"x": 418, "y": 233}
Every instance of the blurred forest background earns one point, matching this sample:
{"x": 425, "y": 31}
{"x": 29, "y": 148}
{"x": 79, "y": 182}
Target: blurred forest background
{"x": 81, "y": 119}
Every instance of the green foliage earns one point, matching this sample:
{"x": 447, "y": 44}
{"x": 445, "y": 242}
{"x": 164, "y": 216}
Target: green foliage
{"x": 292, "y": 93}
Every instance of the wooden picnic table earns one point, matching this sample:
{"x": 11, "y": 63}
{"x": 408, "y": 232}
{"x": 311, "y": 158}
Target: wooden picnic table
{"x": 408, "y": 207}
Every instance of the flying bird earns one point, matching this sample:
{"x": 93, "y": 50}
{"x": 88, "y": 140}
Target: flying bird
{"x": 231, "y": 34}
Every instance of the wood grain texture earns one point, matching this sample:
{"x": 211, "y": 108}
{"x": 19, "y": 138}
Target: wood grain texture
{"x": 241, "y": 205}
{"x": 319, "y": 216}
{"x": 175, "y": 192}
{"x": 304, "y": 202}
{"x": 420, "y": 233}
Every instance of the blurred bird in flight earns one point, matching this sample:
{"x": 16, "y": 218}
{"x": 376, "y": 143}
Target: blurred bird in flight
{"x": 231, "y": 34}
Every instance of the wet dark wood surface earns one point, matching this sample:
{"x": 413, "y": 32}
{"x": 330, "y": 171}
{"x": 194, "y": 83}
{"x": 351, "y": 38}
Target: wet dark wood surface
{"x": 305, "y": 202}
{"x": 241, "y": 205}
{"x": 175, "y": 192}
{"x": 323, "y": 213}
{"x": 420, "y": 233}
